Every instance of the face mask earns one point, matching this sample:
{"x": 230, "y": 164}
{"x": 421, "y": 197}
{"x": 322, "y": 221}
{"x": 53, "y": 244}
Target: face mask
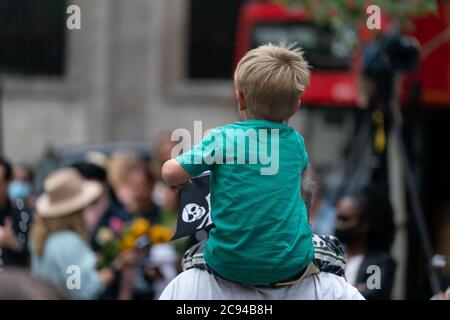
{"x": 347, "y": 236}
{"x": 19, "y": 189}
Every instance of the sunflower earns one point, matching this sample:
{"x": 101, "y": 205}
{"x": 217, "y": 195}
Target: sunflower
{"x": 128, "y": 242}
{"x": 159, "y": 234}
{"x": 140, "y": 227}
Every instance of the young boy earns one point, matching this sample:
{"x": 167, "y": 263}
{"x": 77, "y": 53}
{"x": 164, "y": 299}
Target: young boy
{"x": 262, "y": 235}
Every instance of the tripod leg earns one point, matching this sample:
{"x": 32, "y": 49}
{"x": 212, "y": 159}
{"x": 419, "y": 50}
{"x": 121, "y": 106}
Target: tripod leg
{"x": 394, "y": 122}
{"x": 417, "y": 208}
{"x": 356, "y": 155}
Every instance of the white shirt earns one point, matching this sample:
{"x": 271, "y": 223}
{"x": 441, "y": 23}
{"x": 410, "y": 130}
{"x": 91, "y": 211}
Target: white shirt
{"x": 197, "y": 284}
{"x": 164, "y": 257}
{"x": 352, "y": 268}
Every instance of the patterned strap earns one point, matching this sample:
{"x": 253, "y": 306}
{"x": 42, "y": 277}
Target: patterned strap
{"x": 328, "y": 257}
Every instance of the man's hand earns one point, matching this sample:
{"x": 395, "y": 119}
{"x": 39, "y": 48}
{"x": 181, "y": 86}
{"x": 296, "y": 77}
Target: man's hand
{"x": 7, "y": 237}
{"x": 442, "y": 295}
{"x": 153, "y": 273}
{"x": 126, "y": 259}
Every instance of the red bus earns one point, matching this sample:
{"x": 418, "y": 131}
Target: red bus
{"x": 334, "y": 79}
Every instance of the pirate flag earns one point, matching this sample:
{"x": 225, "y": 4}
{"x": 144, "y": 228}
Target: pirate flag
{"x": 195, "y": 207}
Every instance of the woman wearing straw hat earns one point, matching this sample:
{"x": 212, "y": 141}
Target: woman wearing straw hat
{"x": 60, "y": 251}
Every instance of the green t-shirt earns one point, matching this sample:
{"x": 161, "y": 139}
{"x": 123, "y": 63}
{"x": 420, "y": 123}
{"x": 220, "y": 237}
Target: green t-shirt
{"x": 261, "y": 232}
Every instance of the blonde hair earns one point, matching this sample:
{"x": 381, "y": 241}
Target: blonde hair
{"x": 272, "y": 79}
{"x": 43, "y": 227}
{"x": 119, "y": 167}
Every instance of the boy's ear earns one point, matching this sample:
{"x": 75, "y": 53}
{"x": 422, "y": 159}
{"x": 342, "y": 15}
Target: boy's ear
{"x": 299, "y": 105}
{"x": 240, "y": 98}
{"x": 297, "y": 108}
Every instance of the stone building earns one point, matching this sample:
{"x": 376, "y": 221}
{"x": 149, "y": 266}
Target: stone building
{"x": 136, "y": 68}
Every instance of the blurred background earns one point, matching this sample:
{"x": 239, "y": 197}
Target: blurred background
{"x": 138, "y": 69}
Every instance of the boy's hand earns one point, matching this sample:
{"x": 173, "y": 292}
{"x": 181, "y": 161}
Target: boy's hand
{"x": 179, "y": 187}
{"x": 7, "y": 237}
{"x": 174, "y": 175}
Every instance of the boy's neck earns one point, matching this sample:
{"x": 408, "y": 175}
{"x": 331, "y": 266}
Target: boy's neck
{"x": 245, "y": 116}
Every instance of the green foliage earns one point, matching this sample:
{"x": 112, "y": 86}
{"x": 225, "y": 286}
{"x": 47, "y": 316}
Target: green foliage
{"x": 344, "y": 12}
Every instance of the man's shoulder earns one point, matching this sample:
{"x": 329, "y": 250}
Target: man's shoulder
{"x": 321, "y": 286}
{"x": 177, "y": 288}
{"x": 332, "y": 287}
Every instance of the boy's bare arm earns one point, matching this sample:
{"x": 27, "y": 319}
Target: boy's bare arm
{"x": 174, "y": 175}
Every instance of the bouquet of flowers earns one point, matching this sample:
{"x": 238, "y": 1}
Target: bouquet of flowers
{"x": 137, "y": 234}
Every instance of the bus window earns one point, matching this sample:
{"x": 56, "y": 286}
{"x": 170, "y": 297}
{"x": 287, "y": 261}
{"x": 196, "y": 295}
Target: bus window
{"x": 322, "y": 48}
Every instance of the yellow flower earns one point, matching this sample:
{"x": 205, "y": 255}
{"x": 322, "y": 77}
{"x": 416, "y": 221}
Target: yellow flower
{"x": 160, "y": 234}
{"x": 140, "y": 227}
{"x": 104, "y": 235}
{"x": 128, "y": 242}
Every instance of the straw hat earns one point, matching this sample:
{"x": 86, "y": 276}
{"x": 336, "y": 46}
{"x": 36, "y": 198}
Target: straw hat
{"x": 65, "y": 193}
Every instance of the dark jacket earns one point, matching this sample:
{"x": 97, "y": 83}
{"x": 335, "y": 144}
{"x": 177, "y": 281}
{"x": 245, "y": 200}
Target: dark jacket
{"x": 21, "y": 222}
{"x": 387, "y": 267}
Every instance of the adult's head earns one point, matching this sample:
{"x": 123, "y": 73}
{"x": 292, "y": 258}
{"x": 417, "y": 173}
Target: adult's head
{"x": 19, "y": 284}
{"x": 93, "y": 213}
{"x": 163, "y": 152}
{"x": 140, "y": 184}
{"x": 5, "y": 178}
{"x": 309, "y": 189}
{"x": 164, "y": 147}
{"x": 132, "y": 182}
{"x": 91, "y": 171}
{"x": 61, "y": 206}
{"x": 23, "y": 172}
{"x": 21, "y": 186}
{"x": 118, "y": 168}
{"x": 365, "y": 221}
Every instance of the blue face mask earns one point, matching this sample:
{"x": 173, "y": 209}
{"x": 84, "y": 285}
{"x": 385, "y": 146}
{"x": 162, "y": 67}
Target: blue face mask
{"x": 19, "y": 189}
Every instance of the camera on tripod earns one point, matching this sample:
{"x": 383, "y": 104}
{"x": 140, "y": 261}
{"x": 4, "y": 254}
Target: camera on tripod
{"x": 389, "y": 54}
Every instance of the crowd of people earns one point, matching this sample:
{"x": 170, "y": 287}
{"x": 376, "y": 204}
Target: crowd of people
{"x": 41, "y": 235}
{"x": 62, "y": 231}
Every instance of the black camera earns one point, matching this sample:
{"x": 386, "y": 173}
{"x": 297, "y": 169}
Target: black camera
{"x": 389, "y": 54}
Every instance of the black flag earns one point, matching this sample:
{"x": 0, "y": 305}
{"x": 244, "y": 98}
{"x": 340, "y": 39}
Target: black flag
{"x": 195, "y": 208}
